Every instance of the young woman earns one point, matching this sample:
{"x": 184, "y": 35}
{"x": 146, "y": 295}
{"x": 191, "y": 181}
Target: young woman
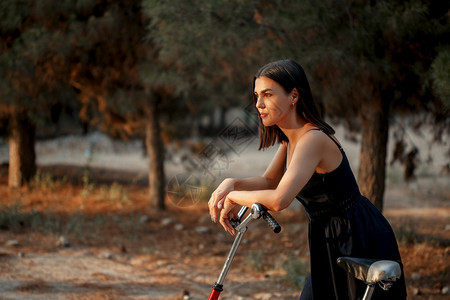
{"x": 311, "y": 166}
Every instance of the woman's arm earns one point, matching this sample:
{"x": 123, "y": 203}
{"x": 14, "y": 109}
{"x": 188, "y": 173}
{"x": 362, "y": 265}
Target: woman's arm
{"x": 269, "y": 180}
{"x": 305, "y": 159}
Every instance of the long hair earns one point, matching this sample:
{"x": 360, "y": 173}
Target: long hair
{"x": 289, "y": 75}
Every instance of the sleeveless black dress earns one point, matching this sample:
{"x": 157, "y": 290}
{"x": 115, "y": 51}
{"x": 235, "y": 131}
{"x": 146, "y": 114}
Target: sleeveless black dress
{"x": 344, "y": 223}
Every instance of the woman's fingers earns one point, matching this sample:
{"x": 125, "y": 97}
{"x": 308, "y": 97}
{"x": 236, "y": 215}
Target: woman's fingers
{"x": 226, "y": 223}
{"x": 215, "y": 205}
{"x": 212, "y": 206}
{"x": 225, "y": 216}
{"x": 216, "y": 202}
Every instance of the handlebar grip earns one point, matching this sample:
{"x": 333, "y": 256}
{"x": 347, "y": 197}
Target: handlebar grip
{"x": 271, "y": 221}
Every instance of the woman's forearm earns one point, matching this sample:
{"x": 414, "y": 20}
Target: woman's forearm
{"x": 252, "y": 183}
{"x": 269, "y": 198}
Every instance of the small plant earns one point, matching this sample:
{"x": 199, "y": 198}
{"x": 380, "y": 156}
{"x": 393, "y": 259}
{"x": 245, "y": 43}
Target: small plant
{"x": 255, "y": 261}
{"x": 151, "y": 251}
{"x": 296, "y": 270}
{"x": 88, "y": 186}
{"x": 115, "y": 193}
{"x": 47, "y": 222}
{"x": 11, "y": 217}
{"x": 406, "y": 234}
{"x": 44, "y": 180}
{"x": 130, "y": 224}
{"x": 76, "y": 225}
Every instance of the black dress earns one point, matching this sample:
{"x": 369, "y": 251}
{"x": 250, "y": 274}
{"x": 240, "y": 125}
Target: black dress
{"x": 344, "y": 223}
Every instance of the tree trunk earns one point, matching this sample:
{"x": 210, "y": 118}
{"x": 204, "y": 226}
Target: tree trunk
{"x": 374, "y": 137}
{"x": 155, "y": 152}
{"x": 22, "y": 156}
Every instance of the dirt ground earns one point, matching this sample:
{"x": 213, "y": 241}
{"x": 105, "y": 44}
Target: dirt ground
{"x": 78, "y": 235}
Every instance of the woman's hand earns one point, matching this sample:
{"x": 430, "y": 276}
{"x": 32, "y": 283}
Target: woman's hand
{"x": 228, "y": 211}
{"x": 216, "y": 202}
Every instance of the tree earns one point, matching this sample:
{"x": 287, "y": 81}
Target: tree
{"x": 31, "y": 71}
{"x": 90, "y": 51}
{"x": 370, "y": 59}
{"x": 202, "y": 49}
{"x": 110, "y": 51}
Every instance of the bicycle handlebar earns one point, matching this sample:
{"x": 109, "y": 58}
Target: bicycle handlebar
{"x": 257, "y": 211}
{"x": 262, "y": 211}
{"x": 271, "y": 221}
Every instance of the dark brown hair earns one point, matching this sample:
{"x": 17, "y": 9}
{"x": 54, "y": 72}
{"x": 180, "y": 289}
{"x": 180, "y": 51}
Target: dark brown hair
{"x": 289, "y": 75}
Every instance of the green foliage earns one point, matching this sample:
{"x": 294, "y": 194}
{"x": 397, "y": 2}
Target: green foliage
{"x": 55, "y": 51}
{"x": 88, "y": 185}
{"x": 11, "y": 217}
{"x": 12, "y": 13}
{"x": 205, "y": 47}
{"x": 78, "y": 225}
{"x": 441, "y": 76}
{"x": 296, "y": 270}
{"x": 407, "y": 235}
{"x": 115, "y": 193}
{"x": 33, "y": 54}
{"x": 358, "y": 51}
{"x": 131, "y": 224}
{"x": 46, "y": 181}
{"x": 255, "y": 261}
{"x": 205, "y": 52}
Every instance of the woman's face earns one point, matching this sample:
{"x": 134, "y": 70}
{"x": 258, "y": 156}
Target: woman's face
{"x": 272, "y": 101}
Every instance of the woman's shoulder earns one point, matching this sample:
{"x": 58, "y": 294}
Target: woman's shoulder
{"x": 313, "y": 134}
{"x": 322, "y": 143}
{"x": 314, "y": 140}
{"x": 320, "y": 134}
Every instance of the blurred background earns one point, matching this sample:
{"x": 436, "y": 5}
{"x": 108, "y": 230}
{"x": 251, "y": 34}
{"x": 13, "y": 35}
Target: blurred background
{"x": 119, "y": 118}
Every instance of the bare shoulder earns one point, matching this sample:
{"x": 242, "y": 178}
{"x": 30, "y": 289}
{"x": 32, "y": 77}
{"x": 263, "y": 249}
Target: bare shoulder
{"x": 315, "y": 136}
{"x": 311, "y": 143}
{"x": 320, "y": 136}
{"x": 327, "y": 147}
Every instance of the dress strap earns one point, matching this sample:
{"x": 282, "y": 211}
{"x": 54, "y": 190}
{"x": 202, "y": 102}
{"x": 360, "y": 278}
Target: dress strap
{"x": 337, "y": 144}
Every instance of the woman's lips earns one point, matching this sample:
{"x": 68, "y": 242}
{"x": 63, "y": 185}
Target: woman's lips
{"x": 263, "y": 115}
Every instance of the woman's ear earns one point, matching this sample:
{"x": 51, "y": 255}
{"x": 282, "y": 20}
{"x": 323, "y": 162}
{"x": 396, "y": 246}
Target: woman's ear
{"x": 294, "y": 95}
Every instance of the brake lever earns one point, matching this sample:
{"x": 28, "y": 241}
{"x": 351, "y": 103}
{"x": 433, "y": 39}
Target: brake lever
{"x": 235, "y": 222}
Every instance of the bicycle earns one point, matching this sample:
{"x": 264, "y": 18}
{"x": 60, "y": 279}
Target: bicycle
{"x": 370, "y": 271}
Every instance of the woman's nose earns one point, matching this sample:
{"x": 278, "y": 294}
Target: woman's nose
{"x": 259, "y": 103}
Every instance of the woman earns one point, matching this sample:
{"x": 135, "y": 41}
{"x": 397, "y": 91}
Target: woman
{"x": 310, "y": 165}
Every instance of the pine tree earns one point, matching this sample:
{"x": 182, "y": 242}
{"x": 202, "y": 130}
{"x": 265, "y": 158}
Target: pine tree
{"x": 32, "y": 68}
